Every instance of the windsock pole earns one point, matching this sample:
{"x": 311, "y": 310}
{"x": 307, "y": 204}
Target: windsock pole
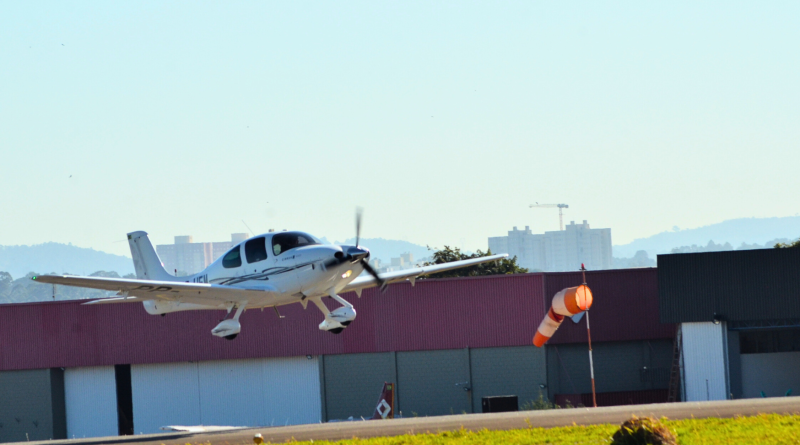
{"x": 591, "y": 363}
{"x": 589, "y": 336}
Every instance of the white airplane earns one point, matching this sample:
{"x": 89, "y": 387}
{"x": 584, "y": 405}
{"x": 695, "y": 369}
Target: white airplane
{"x": 268, "y": 270}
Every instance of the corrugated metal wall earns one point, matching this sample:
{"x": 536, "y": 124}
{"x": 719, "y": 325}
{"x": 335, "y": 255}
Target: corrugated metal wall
{"x": 436, "y": 314}
{"x": 353, "y": 383}
{"x": 427, "y": 382}
{"x": 516, "y": 371}
{"x": 90, "y": 396}
{"x": 742, "y": 285}
{"x": 618, "y": 367}
{"x": 625, "y": 306}
{"x": 28, "y": 407}
{"x": 705, "y": 364}
{"x": 251, "y": 392}
{"x": 478, "y": 312}
{"x": 773, "y": 373}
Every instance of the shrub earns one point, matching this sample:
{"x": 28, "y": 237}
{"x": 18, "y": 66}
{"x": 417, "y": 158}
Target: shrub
{"x": 644, "y": 431}
{"x": 540, "y": 403}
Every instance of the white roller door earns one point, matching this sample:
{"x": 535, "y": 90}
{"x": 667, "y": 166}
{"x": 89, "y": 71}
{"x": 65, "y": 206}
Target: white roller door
{"x": 252, "y": 392}
{"x": 90, "y": 396}
{"x": 164, "y": 394}
{"x": 705, "y": 361}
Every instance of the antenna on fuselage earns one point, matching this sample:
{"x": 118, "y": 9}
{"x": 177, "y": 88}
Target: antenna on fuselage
{"x": 248, "y": 228}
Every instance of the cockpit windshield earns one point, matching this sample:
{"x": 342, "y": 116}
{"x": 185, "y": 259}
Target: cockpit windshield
{"x": 281, "y": 242}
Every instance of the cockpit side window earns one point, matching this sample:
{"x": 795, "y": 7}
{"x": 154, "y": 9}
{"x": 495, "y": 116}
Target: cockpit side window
{"x": 233, "y": 258}
{"x": 255, "y": 250}
{"x": 281, "y": 242}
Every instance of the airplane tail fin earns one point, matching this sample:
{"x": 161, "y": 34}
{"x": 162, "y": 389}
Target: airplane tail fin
{"x": 145, "y": 259}
{"x": 385, "y": 408}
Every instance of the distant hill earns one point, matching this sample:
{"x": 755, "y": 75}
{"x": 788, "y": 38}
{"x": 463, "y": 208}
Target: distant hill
{"x": 734, "y": 231}
{"x": 386, "y": 249}
{"x": 25, "y": 290}
{"x": 60, "y": 258}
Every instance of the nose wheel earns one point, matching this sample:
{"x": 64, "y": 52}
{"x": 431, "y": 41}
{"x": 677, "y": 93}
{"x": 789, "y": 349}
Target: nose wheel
{"x": 337, "y": 320}
{"x": 229, "y": 329}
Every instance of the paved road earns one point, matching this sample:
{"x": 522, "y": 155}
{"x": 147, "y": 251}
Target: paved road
{"x": 499, "y": 421}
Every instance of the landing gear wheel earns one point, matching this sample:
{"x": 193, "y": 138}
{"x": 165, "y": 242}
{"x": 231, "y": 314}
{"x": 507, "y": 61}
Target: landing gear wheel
{"x": 230, "y": 337}
{"x": 336, "y": 330}
{"x": 345, "y": 323}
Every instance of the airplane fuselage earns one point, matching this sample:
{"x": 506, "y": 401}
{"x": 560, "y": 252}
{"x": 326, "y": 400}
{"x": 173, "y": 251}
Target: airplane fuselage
{"x": 268, "y": 270}
{"x": 292, "y": 274}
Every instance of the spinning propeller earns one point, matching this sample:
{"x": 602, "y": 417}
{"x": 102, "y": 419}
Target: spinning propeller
{"x": 357, "y": 254}
{"x": 364, "y": 262}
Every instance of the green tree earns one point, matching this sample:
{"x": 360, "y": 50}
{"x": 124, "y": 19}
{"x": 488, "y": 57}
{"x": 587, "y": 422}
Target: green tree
{"x": 789, "y": 245}
{"x": 502, "y": 267}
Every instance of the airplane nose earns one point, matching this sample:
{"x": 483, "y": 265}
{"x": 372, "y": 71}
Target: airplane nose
{"x": 352, "y": 254}
{"x": 357, "y": 253}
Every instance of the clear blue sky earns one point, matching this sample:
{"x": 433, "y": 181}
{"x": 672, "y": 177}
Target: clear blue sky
{"x": 444, "y": 120}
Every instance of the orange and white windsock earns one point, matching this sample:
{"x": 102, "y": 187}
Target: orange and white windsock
{"x": 568, "y": 302}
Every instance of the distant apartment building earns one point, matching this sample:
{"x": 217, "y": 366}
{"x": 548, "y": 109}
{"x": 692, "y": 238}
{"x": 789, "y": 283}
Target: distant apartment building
{"x": 557, "y": 251}
{"x": 404, "y": 261}
{"x": 186, "y": 257}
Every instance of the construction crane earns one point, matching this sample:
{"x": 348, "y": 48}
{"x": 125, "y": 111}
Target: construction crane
{"x": 560, "y": 207}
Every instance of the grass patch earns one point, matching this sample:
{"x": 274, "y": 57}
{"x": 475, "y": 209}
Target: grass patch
{"x": 762, "y": 429}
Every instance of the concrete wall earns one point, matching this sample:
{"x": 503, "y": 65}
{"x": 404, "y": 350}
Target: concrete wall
{"x": 618, "y": 366}
{"x": 774, "y": 373}
{"x": 32, "y": 405}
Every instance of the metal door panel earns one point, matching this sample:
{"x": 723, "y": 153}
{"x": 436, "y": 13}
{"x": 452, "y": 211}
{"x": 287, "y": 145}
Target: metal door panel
{"x": 90, "y": 396}
{"x": 431, "y": 383}
{"x": 165, "y": 394}
{"x": 705, "y": 364}
{"x": 773, "y": 373}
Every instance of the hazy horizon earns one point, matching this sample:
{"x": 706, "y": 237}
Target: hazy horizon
{"x": 443, "y": 120}
{"x": 736, "y": 231}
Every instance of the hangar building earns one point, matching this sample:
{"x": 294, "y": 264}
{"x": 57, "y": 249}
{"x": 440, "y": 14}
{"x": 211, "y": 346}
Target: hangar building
{"x": 739, "y": 317}
{"x": 68, "y": 370}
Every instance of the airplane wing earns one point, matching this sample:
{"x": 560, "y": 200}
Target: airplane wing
{"x": 366, "y": 281}
{"x": 200, "y": 428}
{"x": 141, "y": 290}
